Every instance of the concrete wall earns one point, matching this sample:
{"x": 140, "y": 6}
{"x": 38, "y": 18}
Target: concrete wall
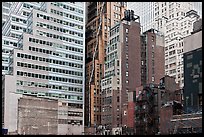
{"x": 193, "y": 42}
{"x": 66, "y": 124}
{"x": 11, "y": 104}
{"x": 197, "y": 25}
{"x": 37, "y": 116}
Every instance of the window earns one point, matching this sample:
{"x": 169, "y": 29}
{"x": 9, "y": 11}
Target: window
{"x": 118, "y": 99}
{"x": 127, "y": 73}
{"x": 152, "y": 79}
{"x": 126, "y": 30}
{"x": 118, "y": 81}
{"x": 126, "y": 39}
{"x": 152, "y": 38}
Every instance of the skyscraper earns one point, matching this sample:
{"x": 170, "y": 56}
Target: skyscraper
{"x": 49, "y": 61}
{"x": 96, "y": 42}
{"x": 146, "y": 12}
{"x": 122, "y": 74}
{"x": 14, "y": 25}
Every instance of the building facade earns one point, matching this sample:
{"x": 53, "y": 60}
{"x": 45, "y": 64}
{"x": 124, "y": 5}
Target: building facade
{"x": 49, "y": 62}
{"x": 121, "y": 74}
{"x": 174, "y": 20}
{"x": 150, "y": 98}
{"x": 152, "y": 57}
{"x": 14, "y": 25}
{"x": 176, "y": 31}
{"x": 96, "y": 42}
{"x": 5, "y": 11}
{"x": 193, "y": 70}
{"x": 46, "y": 111}
{"x": 146, "y": 12}
{"x": 152, "y": 67}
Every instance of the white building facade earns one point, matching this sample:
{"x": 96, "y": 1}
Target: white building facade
{"x": 176, "y": 30}
{"x": 13, "y": 28}
{"x": 5, "y": 11}
{"x": 48, "y": 62}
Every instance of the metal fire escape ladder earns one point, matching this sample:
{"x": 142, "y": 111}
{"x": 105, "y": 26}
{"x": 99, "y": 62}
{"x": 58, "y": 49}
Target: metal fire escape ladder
{"x": 94, "y": 54}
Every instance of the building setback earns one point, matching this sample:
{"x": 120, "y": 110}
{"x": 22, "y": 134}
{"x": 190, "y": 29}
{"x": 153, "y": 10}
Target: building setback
{"x": 176, "y": 31}
{"x": 49, "y": 63}
{"x": 112, "y": 13}
{"x": 193, "y": 70}
{"x": 5, "y": 11}
{"x": 14, "y": 25}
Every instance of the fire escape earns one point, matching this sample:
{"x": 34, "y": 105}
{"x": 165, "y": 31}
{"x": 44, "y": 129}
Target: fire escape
{"x": 146, "y": 113}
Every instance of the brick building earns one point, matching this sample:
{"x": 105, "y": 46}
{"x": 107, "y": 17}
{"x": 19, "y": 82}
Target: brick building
{"x": 152, "y": 56}
{"x": 150, "y": 98}
{"x": 152, "y": 66}
{"x": 121, "y": 69}
{"x": 112, "y": 14}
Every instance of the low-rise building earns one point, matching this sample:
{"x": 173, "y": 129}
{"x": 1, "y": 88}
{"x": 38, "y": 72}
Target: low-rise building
{"x": 150, "y": 98}
{"x": 186, "y": 124}
{"x": 37, "y": 116}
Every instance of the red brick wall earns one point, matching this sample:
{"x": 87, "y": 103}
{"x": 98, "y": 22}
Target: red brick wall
{"x": 131, "y": 114}
{"x": 166, "y": 114}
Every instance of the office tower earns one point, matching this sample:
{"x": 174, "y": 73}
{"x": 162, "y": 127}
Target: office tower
{"x": 146, "y": 12}
{"x": 155, "y": 14}
{"x": 95, "y": 38}
{"x": 13, "y": 28}
{"x": 122, "y": 74}
{"x": 169, "y": 12}
{"x": 193, "y": 70}
{"x": 49, "y": 63}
